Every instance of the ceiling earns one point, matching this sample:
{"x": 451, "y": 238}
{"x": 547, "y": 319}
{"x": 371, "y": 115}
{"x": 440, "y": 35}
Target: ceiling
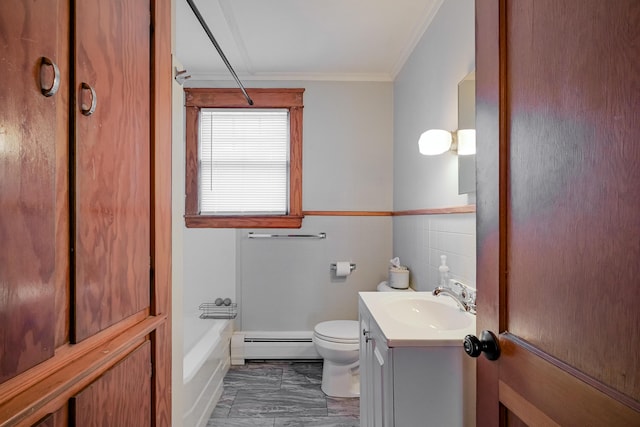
{"x": 366, "y": 40}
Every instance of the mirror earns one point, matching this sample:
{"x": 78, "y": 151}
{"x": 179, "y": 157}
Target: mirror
{"x": 467, "y": 120}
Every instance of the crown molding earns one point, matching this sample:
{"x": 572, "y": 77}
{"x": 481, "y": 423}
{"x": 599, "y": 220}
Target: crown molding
{"x": 346, "y": 77}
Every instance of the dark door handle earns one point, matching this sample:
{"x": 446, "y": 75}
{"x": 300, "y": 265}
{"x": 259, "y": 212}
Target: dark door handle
{"x": 487, "y": 344}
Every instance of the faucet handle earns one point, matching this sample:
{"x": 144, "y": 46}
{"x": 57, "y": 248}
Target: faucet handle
{"x": 456, "y": 286}
{"x": 467, "y": 294}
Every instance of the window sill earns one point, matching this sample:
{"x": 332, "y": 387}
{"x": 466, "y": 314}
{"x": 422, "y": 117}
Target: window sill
{"x": 214, "y": 221}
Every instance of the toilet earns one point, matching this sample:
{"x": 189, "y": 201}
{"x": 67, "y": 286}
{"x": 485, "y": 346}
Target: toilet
{"x": 338, "y": 342}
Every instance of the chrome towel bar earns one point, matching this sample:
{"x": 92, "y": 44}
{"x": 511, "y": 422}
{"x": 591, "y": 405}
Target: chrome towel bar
{"x": 252, "y": 235}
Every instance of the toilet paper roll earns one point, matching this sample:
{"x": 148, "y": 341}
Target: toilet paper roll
{"x": 343, "y": 268}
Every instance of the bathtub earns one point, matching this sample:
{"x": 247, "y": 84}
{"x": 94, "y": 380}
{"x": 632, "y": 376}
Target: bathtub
{"x": 206, "y": 361}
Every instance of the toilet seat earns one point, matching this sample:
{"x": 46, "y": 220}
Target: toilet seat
{"x": 338, "y": 331}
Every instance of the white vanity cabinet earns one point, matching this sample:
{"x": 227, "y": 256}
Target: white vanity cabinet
{"x": 412, "y": 384}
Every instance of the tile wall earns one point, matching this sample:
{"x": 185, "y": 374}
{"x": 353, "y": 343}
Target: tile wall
{"x": 419, "y": 240}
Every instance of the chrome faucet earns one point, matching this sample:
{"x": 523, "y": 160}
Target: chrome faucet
{"x": 462, "y": 299}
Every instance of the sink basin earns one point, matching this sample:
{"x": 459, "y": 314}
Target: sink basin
{"x": 418, "y": 319}
{"x": 431, "y": 314}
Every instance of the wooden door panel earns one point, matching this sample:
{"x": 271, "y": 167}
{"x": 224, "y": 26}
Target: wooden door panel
{"x": 112, "y": 164}
{"x": 121, "y": 397}
{"x": 574, "y": 162}
{"x": 558, "y": 201}
{"x": 28, "y": 32}
{"x": 513, "y": 421}
{"x": 47, "y": 421}
{"x": 532, "y": 387}
{"x": 59, "y": 418}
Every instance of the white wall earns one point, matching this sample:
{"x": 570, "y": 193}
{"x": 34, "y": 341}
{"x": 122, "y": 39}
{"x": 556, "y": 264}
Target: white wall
{"x": 288, "y": 286}
{"x": 347, "y": 166}
{"x": 425, "y": 97}
{"x": 177, "y": 270}
{"x": 209, "y": 265}
{"x": 348, "y": 154}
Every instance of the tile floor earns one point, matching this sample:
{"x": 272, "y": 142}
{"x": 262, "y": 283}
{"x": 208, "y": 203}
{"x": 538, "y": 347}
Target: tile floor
{"x": 279, "y": 394}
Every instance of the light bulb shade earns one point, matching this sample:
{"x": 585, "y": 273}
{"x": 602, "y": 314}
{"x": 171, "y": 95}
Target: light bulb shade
{"x": 434, "y": 142}
{"x": 466, "y": 141}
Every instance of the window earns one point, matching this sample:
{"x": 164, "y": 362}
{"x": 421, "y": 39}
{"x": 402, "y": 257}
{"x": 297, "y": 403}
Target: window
{"x": 244, "y": 163}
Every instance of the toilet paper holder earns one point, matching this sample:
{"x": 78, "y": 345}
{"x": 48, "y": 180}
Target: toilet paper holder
{"x": 333, "y": 267}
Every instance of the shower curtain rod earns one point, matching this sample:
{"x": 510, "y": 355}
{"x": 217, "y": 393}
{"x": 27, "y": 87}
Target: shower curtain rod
{"x": 206, "y": 29}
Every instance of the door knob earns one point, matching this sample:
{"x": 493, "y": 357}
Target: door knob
{"x": 487, "y": 344}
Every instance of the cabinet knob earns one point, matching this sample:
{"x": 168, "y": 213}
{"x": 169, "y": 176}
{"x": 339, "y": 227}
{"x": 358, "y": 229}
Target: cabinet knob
{"x": 365, "y": 333}
{"x": 487, "y": 344}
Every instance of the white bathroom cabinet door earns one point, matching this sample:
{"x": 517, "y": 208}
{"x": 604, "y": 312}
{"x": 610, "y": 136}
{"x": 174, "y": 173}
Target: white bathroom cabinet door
{"x": 365, "y": 368}
{"x": 381, "y": 379}
{"x": 376, "y": 375}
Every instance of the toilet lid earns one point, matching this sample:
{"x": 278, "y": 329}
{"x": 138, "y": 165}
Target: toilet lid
{"x": 341, "y": 331}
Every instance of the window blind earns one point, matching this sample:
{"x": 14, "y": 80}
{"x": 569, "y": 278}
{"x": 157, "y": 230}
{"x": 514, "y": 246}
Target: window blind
{"x": 244, "y": 161}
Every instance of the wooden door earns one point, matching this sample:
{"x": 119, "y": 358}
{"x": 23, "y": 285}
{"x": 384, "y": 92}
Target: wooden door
{"x": 83, "y": 216}
{"x": 32, "y": 96}
{"x": 558, "y": 214}
{"x": 112, "y": 164}
{"x": 121, "y": 397}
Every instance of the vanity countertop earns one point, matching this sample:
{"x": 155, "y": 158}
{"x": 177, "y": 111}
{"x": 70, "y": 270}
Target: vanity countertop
{"x": 418, "y": 319}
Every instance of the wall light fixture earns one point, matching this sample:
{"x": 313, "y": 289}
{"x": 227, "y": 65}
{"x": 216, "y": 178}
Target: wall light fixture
{"x": 437, "y": 141}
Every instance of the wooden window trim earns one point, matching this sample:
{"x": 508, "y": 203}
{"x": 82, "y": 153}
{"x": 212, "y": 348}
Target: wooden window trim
{"x": 197, "y": 98}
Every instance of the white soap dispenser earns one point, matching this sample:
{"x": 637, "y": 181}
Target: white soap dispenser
{"x": 444, "y": 271}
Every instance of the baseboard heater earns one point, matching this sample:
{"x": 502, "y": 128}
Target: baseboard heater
{"x": 272, "y": 345}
